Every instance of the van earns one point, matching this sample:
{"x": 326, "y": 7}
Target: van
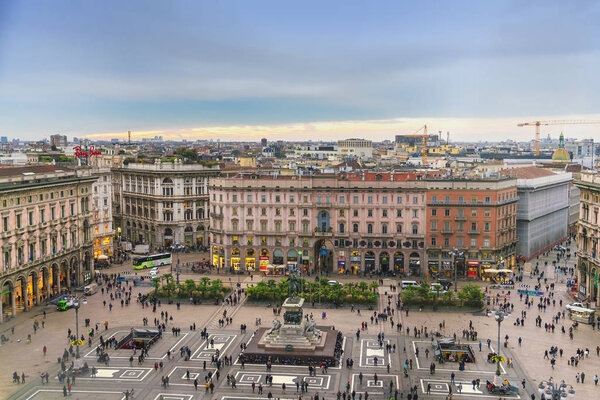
{"x": 154, "y": 274}
{"x": 406, "y": 284}
{"x": 90, "y": 289}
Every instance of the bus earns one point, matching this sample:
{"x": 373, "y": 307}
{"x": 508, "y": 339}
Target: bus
{"x": 154, "y": 260}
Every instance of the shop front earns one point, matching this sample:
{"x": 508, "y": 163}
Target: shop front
{"x": 433, "y": 269}
{"x": 235, "y": 259}
{"x": 215, "y": 256}
{"x": 221, "y": 257}
{"x": 292, "y": 259}
{"x": 264, "y": 260}
{"x": 384, "y": 262}
{"x": 414, "y": 264}
{"x": 370, "y": 262}
{"x": 473, "y": 269}
{"x": 399, "y": 262}
{"x": 306, "y": 261}
{"x": 341, "y": 265}
{"x": 250, "y": 260}
{"x": 447, "y": 270}
{"x": 278, "y": 257}
{"x": 355, "y": 260}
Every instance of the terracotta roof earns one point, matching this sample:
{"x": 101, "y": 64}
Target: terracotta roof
{"x": 527, "y": 172}
{"x": 36, "y": 169}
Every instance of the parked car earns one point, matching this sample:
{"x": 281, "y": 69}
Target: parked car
{"x": 437, "y": 288}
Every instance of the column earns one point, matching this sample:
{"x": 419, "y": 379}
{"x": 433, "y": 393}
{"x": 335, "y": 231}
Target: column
{"x": 13, "y": 302}
{"x": 57, "y": 280}
{"x": 36, "y": 289}
{"x": 68, "y": 276}
{"x": 24, "y": 294}
{"x": 1, "y": 313}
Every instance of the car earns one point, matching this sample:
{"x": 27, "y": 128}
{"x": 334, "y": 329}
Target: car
{"x": 445, "y": 283}
{"x": 570, "y": 306}
{"x": 438, "y": 288}
{"x": 332, "y": 283}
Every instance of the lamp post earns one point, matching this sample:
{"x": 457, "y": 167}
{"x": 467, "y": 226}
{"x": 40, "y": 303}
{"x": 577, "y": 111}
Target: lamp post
{"x": 76, "y": 306}
{"x": 556, "y": 391}
{"x": 499, "y": 318}
{"x": 177, "y": 269}
{"x": 454, "y": 253}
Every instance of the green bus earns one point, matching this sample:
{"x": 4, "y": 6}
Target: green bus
{"x": 154, "y": 260}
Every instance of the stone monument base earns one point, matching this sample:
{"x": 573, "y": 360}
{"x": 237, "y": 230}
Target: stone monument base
{"x": 301, "y": 352}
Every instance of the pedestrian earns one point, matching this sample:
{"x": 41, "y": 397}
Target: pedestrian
{"x": 44, "y": 350}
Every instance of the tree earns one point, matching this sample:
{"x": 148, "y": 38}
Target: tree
{"x": 156, "y": 284}
{"x": 189, "y": 286}
{"x": 471, "y": 295}
{"x": 53, "y": 147}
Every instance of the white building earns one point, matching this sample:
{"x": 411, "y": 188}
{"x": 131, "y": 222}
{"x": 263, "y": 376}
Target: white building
{"x": 102, "y": 221}
{"x": 360, "y": 148}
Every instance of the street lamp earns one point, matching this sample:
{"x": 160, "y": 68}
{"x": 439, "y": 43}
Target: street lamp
{"x": 556, "y": 391}
{"x": 499, "y": 318}
{"x": 455, "y": 252}
{"x": 76, "y": 306}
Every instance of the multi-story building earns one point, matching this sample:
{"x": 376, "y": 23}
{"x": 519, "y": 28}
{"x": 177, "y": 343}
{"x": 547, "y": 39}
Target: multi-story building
{"x": 542, "y": 209}
{"x": 58, "y": 140}
{"x": 162, "y": 204}
{"x": 359, "y": 148}
{"x": 45, "y": 234}
{"x": 471, "y": 225}
{"x": 102, "y": 221}
{"x": 588, "y": 238}
{"x": 346, "y": 223}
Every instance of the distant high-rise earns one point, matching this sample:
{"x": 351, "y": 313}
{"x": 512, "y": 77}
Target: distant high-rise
{"x": 263, "y": 142}
{"x": 3, "y": 139}
{"x": 58, "y": 140}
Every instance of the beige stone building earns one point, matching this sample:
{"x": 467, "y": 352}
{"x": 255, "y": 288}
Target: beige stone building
{"x": 45, "y": 234}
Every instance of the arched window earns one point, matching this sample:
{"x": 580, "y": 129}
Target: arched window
{"x": 369, "y": 228}
{"x": 342, "y": 228}
{"x": 415, "y": 229}
{"x": 384, "y": 228}
{"x": 355, "y": 228}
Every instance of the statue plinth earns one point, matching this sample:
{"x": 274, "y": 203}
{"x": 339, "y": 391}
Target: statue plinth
{"x": 295, "y": 331}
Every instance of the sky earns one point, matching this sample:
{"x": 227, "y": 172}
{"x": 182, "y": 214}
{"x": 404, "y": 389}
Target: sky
{"x": 297, "y": 70}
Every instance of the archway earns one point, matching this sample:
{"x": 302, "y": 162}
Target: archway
{"x": 44, "y": 283}
{"x": 399, "y": 262}
{"x": 414, "y": 263}
{"x": 63, "y": 278}
{"x": 594, "y": 285}
{"x": 323, "y": 256}
{"x": 264, "y": 260}
{"x": 250, "y": 260}
{"x": 168, "y": 238}
{"x": 32, "y": 288}
{"x": 20, "y": 294}
{"x": 200, "y": 235}
{"x": 323, "y": 221}
{"x": 235, "y": 259}
{"x": 369, "y": 262}
{"x": 278, "y": 257}
{"x": 188, "y": 236}
{"x": 355, "y": 262}
{"x": 384, "y": 262}
{"x": 7, "y": 296}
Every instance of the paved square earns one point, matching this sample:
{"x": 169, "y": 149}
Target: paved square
{"x": 206, "y": 350}
{"x": 381, "y": 386}
{"x": 319, "y": 382}
{"x": 372, "y": 355}
{"x": 441, "y": 388}
{"x": 120, "y": 373}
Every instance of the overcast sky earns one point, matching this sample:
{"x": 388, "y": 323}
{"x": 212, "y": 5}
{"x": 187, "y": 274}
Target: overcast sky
{"x": 297, "y": 69}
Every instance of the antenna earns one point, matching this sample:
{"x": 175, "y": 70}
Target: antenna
{"x": 129, "y": 136}
{"x": 447, "y": 138}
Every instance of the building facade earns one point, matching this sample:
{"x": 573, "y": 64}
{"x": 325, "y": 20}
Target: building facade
{"x": 359, "y": 148}
{"x": 102, "y": 218}
{"x": 471, "y": 225}
{"x": 588, "y": 238}
{"x": 347, "y": 223}
{"x": 45, "y": 237}
{"x": 162, "y": 204}
{"x": 542, "y": 210}
{"x": 58, "y": 140}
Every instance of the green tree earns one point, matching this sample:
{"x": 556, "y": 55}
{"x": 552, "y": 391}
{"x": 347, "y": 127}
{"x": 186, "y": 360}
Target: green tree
{"x": 53, "y": 147}
{"x": 471, "y": 295}
{"x": 156, "y": 284}
{"x": 189, "y": 286}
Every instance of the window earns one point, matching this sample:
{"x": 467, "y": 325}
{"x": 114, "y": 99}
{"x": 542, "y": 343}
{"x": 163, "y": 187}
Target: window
{"x": 369, "y": 213}
{"x": 73, "y": 207}
{"x": 461, "y": 199}
{"x": 5, "y": 224}
{"x": 399, "y": 200}
{"x": 473, "y": 212}
{"x": 384, "y": 229}
{"x": 415, "y": 214}
{"x": 434, "y": 241}
{"x": 384, "y": 213}
{"x": 292, "y": 242}
{"x": 249, "y": 211}
{"x": 434, "y": 199}
{"x": 292, "y": 199}
{"x": 486, "y": 227}
{"x": 399, "y": 228}
{"x": 263, "y": 226}
{"x": 305, "y": 227}
{"x": 384, "y": 199}
{"x": 292, "y": 212}
{"x": 433, "y": 226}
{"x": 398, "y": 213}
{"x": 487, "y": 199}
{"x": 415, "y": 229}
{"x": 278, "y": 211}
{"x": 473, "y": 199}
{"x": 486, "y": 242}
{"x": 327, "y": 199}
{"x": 446, "y": 242}
{"x": 370, "y": 199}
{"x": 278, "y": 226}
{"x": 487, "y": 212}
{"x": 249, "y": 225}
{"x": 473, "y": 242}
{"x": 263, "y": 240}
{"x": 319, "y": 199}
{"x": 355, "y": 213}
{"x": 235, "y": 197}
{"x": 459, "y": 241}
{"x": 459, "y": 226}
{"x": 306, "y": 199}
{"x": 30, "y": 218}
{"x": 433, "y": 212}
{"x": 341, "y": 213}
{"x": 52, "y": 213}
{"x": 446, "y": 212}
{"x": 447, "y": 200}
{"x": 277, "y": 199}
{"x": 355, "y": 228}
{"x": 355, "y": 199}
{"x": 235, "y": 211}
{"x": 249, "y": 198}
{"x": 250, "y": 240}
{"x": 415, "y": 200}
{"x": 473, "y": 226}
{"x": 263, "y": 211}
{"x": 292, "y": 226}
{"x": 62, "y": 211}
{"x": 263, "y": 198}
{"x": 234, "y": 226}
{"x": 341, "y": 199}
{"x": 18, "y": 221}
{"x": 342, "y": 227}
{"x": 42, "y": 216}
{"x": 447, "y": 226}
{"x": 369, "y": 228}
{"x": 460, "y": 212}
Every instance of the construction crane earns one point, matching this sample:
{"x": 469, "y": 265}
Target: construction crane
{"x": 537, "y": 125}
{"x": 424, "y": 149}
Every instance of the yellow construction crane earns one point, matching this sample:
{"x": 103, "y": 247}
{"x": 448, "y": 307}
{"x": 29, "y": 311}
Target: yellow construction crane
{"x": 424, "y": 148}
{"x": 537, "y": 125}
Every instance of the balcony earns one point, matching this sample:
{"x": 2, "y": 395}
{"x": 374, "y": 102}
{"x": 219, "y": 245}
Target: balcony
{"x": 460, "y": 218}
{"x": 319, "y": 233}
{"x": 474, "y": 232}
{"x": 447, "y": 231}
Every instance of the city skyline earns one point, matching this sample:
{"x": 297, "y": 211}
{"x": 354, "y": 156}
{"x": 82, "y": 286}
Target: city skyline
{"x": 274, "y": 70}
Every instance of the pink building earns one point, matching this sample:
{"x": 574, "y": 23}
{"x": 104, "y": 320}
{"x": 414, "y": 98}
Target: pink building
{"x": 347, "y": 223}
